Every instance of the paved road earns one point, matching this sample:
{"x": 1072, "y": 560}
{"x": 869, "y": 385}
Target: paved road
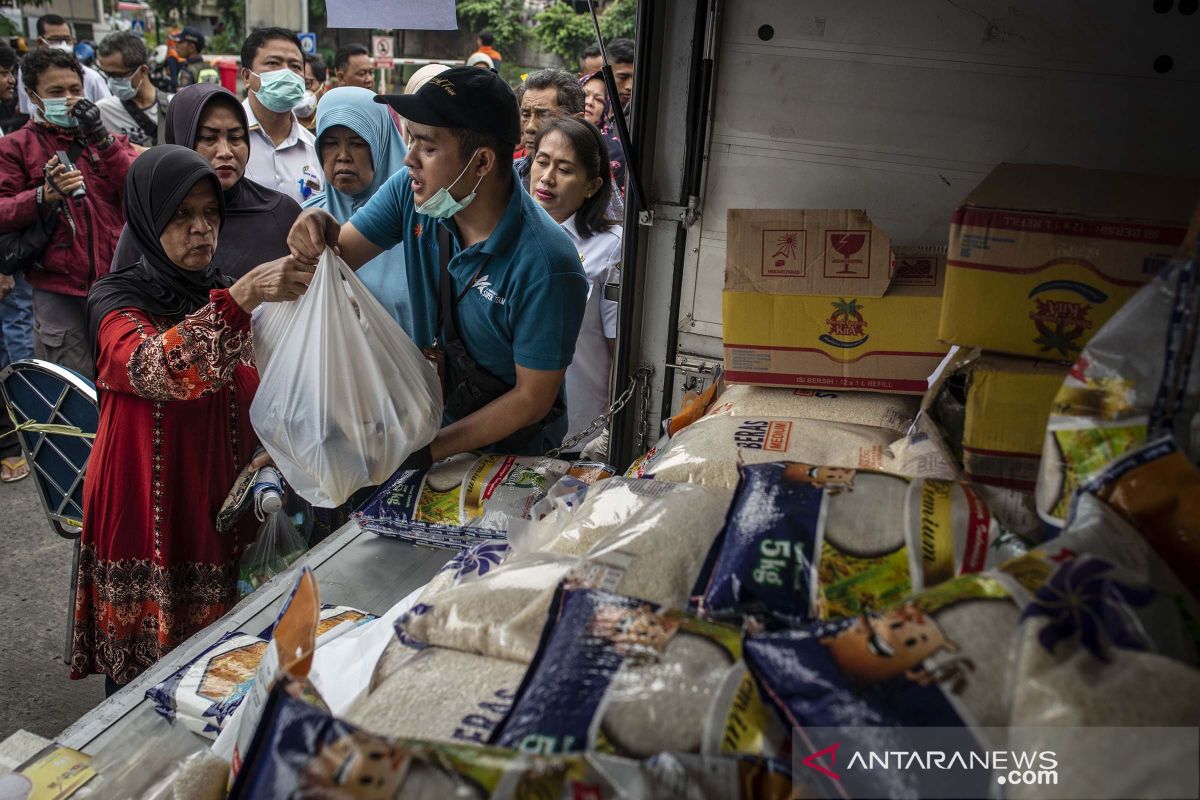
{"x": 35, "y": 567}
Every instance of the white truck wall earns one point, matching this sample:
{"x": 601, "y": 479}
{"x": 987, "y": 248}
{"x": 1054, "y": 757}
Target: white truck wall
{"x": 902, "y": 107}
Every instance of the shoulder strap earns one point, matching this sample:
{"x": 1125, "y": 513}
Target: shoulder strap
{"x": 447, "y": 325}
{"x": 448, "y": 302}
{"x": 148, "y": 126}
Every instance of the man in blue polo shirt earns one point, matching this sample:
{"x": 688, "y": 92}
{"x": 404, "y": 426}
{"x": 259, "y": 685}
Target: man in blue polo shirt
{"x": 505, "y": 325}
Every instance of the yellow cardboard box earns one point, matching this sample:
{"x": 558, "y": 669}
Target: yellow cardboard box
{"x": 1008, "y": 404}
{"x": 1041, "y": 256}
{"x": 816, "y": 299}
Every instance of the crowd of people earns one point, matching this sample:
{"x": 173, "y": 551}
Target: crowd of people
{"x": 481, "y": 219}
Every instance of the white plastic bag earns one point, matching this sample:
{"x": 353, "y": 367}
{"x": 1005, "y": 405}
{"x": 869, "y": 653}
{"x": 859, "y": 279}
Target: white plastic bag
{"x": 345, "y": 395}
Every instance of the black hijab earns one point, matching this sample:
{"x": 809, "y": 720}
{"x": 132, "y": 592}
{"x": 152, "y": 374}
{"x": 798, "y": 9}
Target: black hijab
{"x": 157, "y": 183}
{"x": 257, "y": 219}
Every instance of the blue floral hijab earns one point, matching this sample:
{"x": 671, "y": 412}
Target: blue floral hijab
{"x": 356, "y": 109}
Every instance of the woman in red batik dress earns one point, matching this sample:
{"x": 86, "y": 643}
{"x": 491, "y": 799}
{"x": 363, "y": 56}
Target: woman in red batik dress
{"x": 175, "y": 374}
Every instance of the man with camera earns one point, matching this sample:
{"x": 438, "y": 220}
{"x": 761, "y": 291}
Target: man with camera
{"x": 62, "y": 184}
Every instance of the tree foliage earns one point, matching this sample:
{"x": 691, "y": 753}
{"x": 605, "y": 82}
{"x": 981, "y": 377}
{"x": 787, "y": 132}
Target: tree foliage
{"x": 564, "y": 32}
{"x": 165, "y": 8}
{"x": 501, "y": 17}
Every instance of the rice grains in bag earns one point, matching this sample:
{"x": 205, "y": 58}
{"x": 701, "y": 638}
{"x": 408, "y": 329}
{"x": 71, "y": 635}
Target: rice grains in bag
{"x": 803, "y": 542}
{"x": 1136, "y": 380}
{"x": 300, "y": 751}
{"x": 645, "y": 539}
{"x": 440, "y": 695}
{"x": 460, "y": 500}
{"x": 1110, "y": 641}
{"x": 940, "y": 659}
{"x": 710, "y": 451}
{"x": 498, "y": 610}
{"x": 620, "y": 675}
{"x": 892, "y": 411}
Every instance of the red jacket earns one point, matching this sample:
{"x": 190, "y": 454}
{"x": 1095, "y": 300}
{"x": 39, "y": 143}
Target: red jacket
{"x": 72, "y": 262}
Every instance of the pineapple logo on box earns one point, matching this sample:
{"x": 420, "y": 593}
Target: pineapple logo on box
{"x": 1062, "y": 323}
{"x": 847, "y": 328}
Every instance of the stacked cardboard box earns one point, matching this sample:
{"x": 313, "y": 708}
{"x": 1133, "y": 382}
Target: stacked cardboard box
{"x": 1039, "y": 258}
{"x": 820, "y": 299}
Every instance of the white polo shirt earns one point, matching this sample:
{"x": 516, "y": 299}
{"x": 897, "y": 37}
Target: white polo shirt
{"x": 284, "y": 168}
{"x": 588, "y": 376}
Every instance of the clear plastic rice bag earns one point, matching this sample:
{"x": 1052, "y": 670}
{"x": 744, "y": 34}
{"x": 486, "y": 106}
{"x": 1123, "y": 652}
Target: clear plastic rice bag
{"x": 1136, "y": 380}
{"x": 618, "y": 674}
{"x": 345, "y": 395}
{"x": 646, "y": 539}
{"x": 709, "y": 452}
{"x": 892, "y": 411}
{"x": 804, "y": 542}
{"x": 302, "y": 751}
{"x": 277, "y": 547}
{"x": 460, "y": 500}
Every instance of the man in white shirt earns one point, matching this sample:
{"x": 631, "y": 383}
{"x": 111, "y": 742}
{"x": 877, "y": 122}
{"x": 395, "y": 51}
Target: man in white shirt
{"x": 136, "y": 108}
{"x": 283, "y": 155}
{"x": 54, "y": 32}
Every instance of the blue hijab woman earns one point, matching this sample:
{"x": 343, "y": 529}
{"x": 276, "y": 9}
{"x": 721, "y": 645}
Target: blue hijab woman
{"x": 360, "y": 148}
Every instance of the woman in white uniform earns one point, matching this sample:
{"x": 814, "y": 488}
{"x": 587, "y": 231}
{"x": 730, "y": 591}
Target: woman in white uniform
{"x": 570, "y": 178}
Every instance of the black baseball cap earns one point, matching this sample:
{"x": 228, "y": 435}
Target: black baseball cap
{"x": 193, "y": 35}
{"x": 462, "y": 97}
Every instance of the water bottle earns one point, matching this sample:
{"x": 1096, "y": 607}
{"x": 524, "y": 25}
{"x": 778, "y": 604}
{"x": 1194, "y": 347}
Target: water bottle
{"x": 268, "y": 492}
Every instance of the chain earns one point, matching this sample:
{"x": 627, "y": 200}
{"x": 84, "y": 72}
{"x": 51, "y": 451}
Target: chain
{"x": 644, "y": 373}
{"x": 640, "y": 378}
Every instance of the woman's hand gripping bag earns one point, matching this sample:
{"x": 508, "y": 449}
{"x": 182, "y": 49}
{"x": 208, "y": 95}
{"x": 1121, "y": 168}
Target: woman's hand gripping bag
{"x": 345, "y": 395}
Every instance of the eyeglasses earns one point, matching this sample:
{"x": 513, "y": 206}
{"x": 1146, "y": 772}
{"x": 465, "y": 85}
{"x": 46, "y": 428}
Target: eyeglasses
{"x": 117, "y": 75}
{"x": 60, "y": 39}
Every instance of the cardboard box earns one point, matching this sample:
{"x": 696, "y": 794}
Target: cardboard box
{"x": 1041, "y": 256}
{"x": 815, "y": 299}
{"x": 1008, "y": 404}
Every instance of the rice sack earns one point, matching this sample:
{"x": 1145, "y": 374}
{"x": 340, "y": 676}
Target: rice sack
{"x": 1109, "y": 642}
{"x": 1137, "y": 379}
{"x": 440, "y": 695}
{"x": 891, "y": 411}
{"x": 301, "y": 751}
{"x": 620, "y": 675}
{"x": 204, "y": 693}
{"x": 937, "y": 660}
{"x": 943, "y": 657}
{"x": 1156, "y": 488}
{"x": 708, "y": 452}
{"x": 463, "y": 499}
{"x": 645, "y": 539}
{"x": 803, "y": 543}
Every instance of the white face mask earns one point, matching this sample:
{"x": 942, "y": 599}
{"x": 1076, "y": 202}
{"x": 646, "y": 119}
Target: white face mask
{"x": 307, "y": 106}
{"x": 66, "y": 47}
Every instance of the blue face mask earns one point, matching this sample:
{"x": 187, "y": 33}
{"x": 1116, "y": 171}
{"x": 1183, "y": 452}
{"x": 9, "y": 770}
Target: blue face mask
{"x": 443, "y": 205}
{"x": 280, "y": 90}
{"x": 123, "y": 88}
{"x": 55, "y": 112}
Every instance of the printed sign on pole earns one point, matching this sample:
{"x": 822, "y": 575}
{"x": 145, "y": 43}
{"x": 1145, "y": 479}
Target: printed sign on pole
{"x": 383, "y": 47}
{"x": 413, "y": 15}
{"x": 308, "y": 42}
